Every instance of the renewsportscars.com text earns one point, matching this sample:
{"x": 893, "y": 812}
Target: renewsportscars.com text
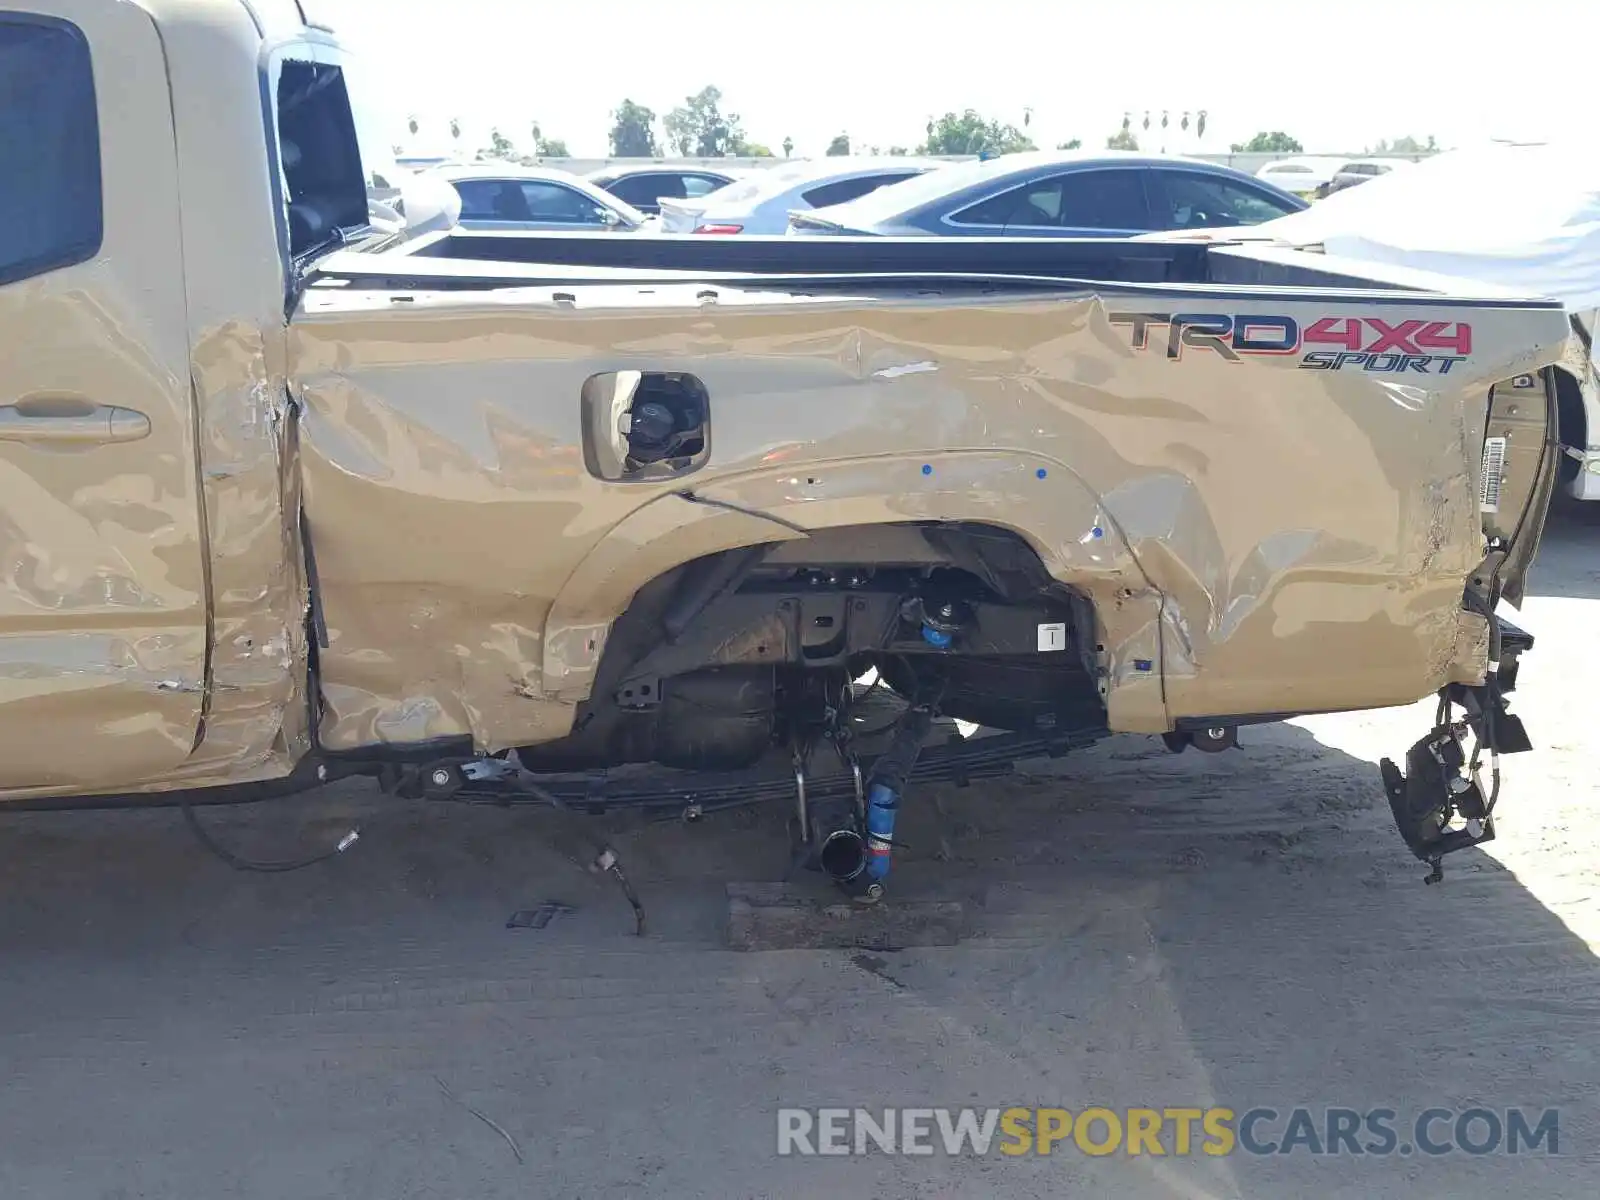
{"x": 1177, "y": 1132}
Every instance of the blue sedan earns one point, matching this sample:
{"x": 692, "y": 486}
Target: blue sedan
{"x": 1074, "y": 194}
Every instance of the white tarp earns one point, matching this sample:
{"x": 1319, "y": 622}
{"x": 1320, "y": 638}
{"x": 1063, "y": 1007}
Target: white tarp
{"x": 1524, "y": 217}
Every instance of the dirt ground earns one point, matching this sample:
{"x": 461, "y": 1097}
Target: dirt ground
{"x": 1240, "y": 930}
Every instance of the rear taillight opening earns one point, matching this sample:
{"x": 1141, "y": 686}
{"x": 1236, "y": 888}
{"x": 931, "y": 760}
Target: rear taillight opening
{"x": 719, "y": 228}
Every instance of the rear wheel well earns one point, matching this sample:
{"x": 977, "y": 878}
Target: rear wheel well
{"x": 720, "y": 658}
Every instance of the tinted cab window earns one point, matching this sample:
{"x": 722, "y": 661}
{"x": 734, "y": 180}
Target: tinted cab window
{"x": 846, "y": 190}
{"x": 1111, "y": 200}
{"x": 50, "y": 214}
{"x": 1190, "y": 200}
{"x": 325, "y": 183}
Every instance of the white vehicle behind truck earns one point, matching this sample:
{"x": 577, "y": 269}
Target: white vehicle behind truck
{"x": 1523, "y": 217}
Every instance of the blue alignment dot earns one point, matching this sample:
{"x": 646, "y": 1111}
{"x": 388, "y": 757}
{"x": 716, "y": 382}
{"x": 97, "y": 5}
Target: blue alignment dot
{"x": 927, "y": 468}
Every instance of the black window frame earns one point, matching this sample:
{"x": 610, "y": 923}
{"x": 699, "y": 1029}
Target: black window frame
{"x": 1064, "y": 176}
{"x": 316, "y": 46}
{"x": 85, "y": 247}
{"x": 341, "y": 146}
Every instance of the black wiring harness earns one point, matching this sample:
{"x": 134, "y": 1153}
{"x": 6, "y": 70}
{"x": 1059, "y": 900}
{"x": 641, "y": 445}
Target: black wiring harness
{"x": 263, "y": 866}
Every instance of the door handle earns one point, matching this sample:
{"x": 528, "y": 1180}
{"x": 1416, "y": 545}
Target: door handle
{"x": 71, "y": 424}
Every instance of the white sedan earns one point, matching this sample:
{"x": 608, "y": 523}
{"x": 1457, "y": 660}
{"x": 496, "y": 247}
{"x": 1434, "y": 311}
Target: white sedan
{"x": 762, "y": 201}
{"x": 498, "y": 196}
{"x": 1300, "y": 175}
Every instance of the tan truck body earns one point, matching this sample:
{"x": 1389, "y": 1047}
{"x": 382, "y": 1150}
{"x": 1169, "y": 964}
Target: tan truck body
{"x": 1252, "y": 537}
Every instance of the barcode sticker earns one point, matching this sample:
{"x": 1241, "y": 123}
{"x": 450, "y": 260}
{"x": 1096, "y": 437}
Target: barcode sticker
{"x": 1494, "y": 465}
{"x": 1052, "y": 637}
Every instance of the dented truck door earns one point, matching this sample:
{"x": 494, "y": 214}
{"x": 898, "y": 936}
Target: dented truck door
{"x": 103, "y": 601}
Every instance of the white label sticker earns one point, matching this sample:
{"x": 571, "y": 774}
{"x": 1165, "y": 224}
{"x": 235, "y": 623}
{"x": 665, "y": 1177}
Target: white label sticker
{"x": 1052, "y": 637}
{"x": 1494, "y": 465}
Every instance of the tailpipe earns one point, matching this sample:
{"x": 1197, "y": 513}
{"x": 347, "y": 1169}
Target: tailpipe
{"x": 843, "y": 855}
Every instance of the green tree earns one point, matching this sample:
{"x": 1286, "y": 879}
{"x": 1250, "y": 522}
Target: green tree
{"x": 1122, "y": 139}
{"x": 840, "y": 146}
{"x": 1276, "y": 142}
{"x": 969, "y": 133}
{"x": 499, "y": 146}
{"x": 544, "y": 147}
{"x": 699, "y": 126}
{"x": 898, "y": 151}
{"x": 745, "y": 149}
{"x": 1405, "y": 145}
{"x": 1071, "y": 144}
{"x": 633, "y": 131}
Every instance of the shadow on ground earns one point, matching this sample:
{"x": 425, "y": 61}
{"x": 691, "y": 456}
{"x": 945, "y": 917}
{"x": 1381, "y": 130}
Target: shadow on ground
{"x": 1166, "y": 931}
{"x": 1568, "y": 564}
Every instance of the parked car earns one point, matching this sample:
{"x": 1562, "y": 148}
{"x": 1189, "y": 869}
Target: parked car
{"x": 1356, "y": 172}
{"x": 1302, "y": 176}
{"x": 646, "y": 186}
{"x": 1076, "y": 194}
{"x": 503, "y": 197}
{"x": 763, "y": 200}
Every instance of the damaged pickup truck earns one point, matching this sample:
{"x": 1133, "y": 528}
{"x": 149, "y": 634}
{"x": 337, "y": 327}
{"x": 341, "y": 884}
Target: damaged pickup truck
{"x": 289, "y": 496}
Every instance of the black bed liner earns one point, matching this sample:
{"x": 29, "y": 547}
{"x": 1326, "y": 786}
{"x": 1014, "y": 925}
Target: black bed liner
{"x": 457, "y": 259}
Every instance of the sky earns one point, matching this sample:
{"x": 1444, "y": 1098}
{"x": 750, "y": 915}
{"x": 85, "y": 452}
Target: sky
{"x": 1336, "y": 76}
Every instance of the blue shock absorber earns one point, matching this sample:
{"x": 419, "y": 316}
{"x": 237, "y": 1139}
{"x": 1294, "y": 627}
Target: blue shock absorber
{"x": 890, "y": 774}
{"x": 883, "y": 802}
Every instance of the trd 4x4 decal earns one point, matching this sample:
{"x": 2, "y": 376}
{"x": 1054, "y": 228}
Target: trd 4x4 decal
{"x": 1362, "y": 343}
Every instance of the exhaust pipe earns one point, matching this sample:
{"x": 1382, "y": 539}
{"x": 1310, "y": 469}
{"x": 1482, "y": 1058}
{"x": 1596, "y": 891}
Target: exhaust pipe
{"x": 843, "y": 855}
